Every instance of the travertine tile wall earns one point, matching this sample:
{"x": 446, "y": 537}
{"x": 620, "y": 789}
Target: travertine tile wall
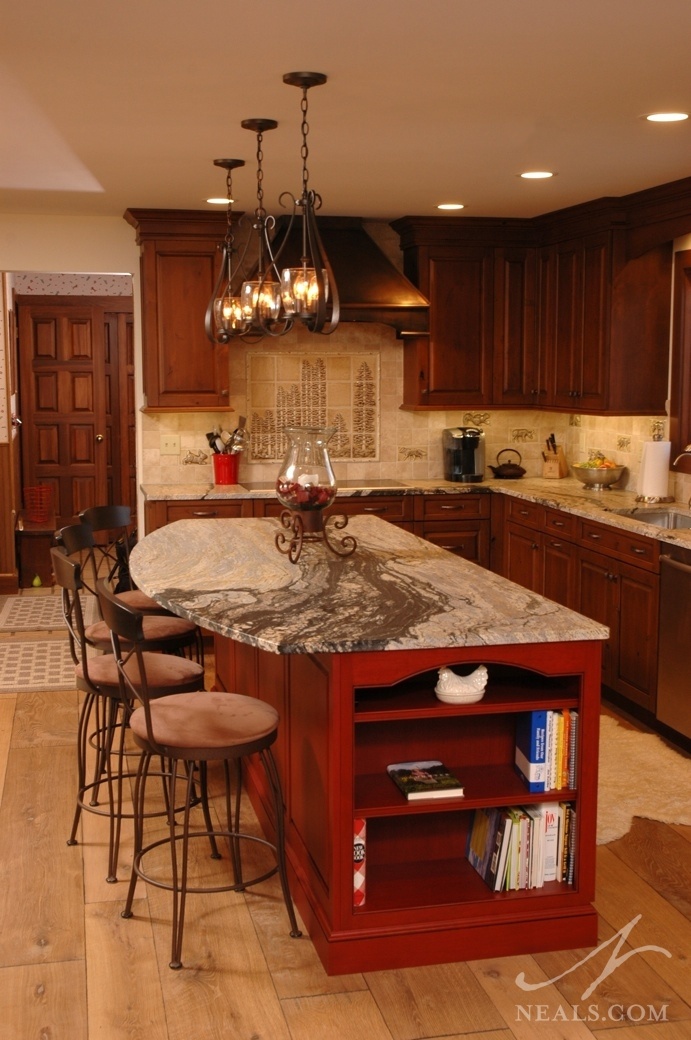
{"x": 409, "y": 442}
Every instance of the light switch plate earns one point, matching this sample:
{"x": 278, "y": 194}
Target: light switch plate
{"x": 170, "y": 444}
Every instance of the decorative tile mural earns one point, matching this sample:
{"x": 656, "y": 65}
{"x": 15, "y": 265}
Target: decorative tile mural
{"x": 339, "y": 390}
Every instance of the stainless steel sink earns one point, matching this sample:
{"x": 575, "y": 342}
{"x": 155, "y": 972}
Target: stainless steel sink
{"x": 668, "y": 518}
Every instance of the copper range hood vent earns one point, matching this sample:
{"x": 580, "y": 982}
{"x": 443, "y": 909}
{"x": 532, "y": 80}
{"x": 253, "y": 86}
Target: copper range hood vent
{"x": 370, "y": 286}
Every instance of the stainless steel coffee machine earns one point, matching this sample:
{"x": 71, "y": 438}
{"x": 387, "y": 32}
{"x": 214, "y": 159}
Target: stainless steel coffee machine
{"x": 464, "y": 454}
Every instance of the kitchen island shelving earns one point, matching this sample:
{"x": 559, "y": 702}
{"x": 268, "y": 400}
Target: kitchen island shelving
{"x": 348, "y": 651}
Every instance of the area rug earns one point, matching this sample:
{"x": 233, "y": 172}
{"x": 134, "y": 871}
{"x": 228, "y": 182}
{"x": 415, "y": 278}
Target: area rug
{"x": 639, "y": 775}
{"x": 40, "y": 613}
{"x": 33, "y": 665}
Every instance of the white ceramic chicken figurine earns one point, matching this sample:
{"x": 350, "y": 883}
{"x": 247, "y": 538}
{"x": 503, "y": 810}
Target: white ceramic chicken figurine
{"x": 462, "y": 688}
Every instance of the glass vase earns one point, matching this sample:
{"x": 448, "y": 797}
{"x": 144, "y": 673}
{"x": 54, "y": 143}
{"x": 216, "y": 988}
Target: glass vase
{"x": 306, "y": 485}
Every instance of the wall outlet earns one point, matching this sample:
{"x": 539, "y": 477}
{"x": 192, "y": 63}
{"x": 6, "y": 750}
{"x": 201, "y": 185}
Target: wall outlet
{"x": 170, "y": 444}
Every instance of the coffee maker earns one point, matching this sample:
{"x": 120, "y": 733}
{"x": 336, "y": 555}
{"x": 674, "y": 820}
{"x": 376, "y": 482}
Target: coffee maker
{"x": 464, "y": 454}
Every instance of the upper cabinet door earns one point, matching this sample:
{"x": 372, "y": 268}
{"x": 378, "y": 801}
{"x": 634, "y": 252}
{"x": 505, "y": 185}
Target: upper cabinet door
{"x": 518, "y": 364}
{"x": 179, "y": 262}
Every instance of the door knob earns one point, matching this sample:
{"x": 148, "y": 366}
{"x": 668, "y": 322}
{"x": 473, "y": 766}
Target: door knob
{"x": 99, "y": 438}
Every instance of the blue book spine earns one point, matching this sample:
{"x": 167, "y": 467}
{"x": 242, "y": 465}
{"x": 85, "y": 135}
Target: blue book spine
{"x": 531, "y": 753}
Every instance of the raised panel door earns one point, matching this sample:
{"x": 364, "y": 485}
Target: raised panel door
{"x": 635, "y": 673}
{"x": 517, "y": 369}
{"x": 62, "y": 394}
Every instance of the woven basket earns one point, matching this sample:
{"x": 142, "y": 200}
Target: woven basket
{"x": 37, "y": 503}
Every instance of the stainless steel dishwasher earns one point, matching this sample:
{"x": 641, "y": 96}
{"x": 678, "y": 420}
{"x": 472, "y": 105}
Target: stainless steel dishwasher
{"x": 674, "y": 668}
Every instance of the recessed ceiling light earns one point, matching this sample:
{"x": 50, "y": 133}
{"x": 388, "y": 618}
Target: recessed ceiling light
{"x": 220, "y": 202}
{"x": 667, "y": 117}
{"x": 537, "y": 175}
{"x": 450, "y": 205}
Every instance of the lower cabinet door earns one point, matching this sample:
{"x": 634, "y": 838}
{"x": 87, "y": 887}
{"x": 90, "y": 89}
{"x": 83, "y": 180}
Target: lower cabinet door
{"x": 469, "y": 539}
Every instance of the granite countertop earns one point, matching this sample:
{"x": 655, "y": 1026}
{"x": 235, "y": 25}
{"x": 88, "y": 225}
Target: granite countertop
{"x": 567, "y": 494}
{"x": 396, "y": 592}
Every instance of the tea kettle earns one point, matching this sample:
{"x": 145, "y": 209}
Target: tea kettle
{"x": 508, "y": 470}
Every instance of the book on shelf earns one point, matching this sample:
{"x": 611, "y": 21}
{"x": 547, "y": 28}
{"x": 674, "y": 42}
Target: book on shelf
{"x": 551, "y": 840}
{"x": 546, "y": 749}
{"x": 425, "y": 779}
{"x": 488, "y": 845}
{"x": 524, "y": 847}
{"x": 531, "y": 749}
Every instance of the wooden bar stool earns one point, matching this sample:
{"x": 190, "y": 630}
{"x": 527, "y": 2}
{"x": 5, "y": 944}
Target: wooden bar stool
{"x": 104, "y": 715}
{"x": 189, "y": 731}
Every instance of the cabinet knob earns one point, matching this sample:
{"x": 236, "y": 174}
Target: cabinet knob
{"x": 99, "y": 438}
{"x": 224, "y": 393}
{"x": 636, "y": 549}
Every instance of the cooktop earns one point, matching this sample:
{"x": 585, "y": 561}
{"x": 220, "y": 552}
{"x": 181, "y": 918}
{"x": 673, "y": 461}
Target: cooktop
{"x": 364, "y": 484}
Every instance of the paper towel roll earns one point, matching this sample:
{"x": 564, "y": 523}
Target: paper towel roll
{"x": 653, "y": 478}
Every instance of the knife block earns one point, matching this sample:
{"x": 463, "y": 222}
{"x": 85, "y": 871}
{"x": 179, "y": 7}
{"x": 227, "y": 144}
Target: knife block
{"x": 555, "y": 465}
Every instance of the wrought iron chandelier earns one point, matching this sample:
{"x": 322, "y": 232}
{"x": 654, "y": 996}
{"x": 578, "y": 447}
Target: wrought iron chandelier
{"x": 271, "y": 302}
{"x": 223, "y": 319}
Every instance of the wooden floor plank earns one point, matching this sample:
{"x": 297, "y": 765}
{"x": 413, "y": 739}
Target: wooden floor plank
{"x": 41, "y": 895}
{"x": 125, "y": 997}
{"x": 49, "y": 719}
{"x": 348, "y": 1016}
{"x": 225, "y": 988}
{"x": 660, "y": 856}
{"x": 621, "y": 896}
{"x": 538, "y": 1015}
{"x": 432, "y": 1001}
{"x": 578, "y": 970}
{"x": 8, "y": 704}
{"x": 43, "y": 1000}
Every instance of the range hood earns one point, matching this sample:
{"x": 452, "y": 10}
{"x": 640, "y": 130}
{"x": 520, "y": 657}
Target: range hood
{"x": 370, "y": 286}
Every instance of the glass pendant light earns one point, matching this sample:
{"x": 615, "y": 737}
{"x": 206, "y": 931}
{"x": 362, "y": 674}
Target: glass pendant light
{"x": 308, "y": 290}
{"x": 224, "y": 317}
{"x": 260, "y": 296}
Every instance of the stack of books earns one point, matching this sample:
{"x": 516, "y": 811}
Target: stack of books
{"x": 525, "y": 846}
{"x": 547, "y": 749}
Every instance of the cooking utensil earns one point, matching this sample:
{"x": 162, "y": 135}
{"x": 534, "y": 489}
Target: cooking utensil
{"x": 508, "y": 470}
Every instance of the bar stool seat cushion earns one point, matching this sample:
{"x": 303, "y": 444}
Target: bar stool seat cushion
{"x": 212, "y": 720}
{"x": 163, "y": 671}
{"x": 138, "y": 600}
{"x": 156, "y": 626}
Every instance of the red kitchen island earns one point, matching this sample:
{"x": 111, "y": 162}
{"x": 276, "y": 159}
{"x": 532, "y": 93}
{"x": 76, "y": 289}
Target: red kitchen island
{"x": 348, "y": 651}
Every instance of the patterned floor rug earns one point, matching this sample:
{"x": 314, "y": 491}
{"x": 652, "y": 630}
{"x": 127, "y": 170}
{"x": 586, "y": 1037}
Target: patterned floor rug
{"x": 640, "y": 775}
{"x": 30, "y": 666}
{"x": 39, "y": 613}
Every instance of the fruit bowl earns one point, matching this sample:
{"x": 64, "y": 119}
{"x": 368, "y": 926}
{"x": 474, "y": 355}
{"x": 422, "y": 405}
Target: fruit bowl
{"x": 596, "y": 478}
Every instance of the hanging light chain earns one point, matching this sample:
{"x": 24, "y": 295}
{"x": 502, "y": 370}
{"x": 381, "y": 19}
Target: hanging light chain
{"x": 304, "y": 151}
{"x": 229, "y": 210}
{"x": 260, "y": 211}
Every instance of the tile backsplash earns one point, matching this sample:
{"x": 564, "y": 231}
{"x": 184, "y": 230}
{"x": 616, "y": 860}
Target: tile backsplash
{"x": 301, "y": 372}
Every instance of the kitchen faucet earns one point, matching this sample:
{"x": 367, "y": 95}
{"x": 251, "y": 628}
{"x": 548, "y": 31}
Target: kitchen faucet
{"x": 682, "y": 454}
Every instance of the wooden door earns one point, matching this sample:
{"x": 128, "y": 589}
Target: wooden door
{"x": 75, "y": 435}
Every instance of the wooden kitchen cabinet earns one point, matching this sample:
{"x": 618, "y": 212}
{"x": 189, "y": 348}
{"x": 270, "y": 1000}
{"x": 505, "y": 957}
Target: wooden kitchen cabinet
{"x": 159, "y": 513}
{"x": 180, "y": 259}
{"x": 580, "y": 329}
{"x": 626, "y": 599}
{"x": 347, "y": 716}
{"x": 459, "y": 523}
{"x": 552, "y": 313}
{"x": 519, "y": 361}
{"x": 453, "y": 364}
